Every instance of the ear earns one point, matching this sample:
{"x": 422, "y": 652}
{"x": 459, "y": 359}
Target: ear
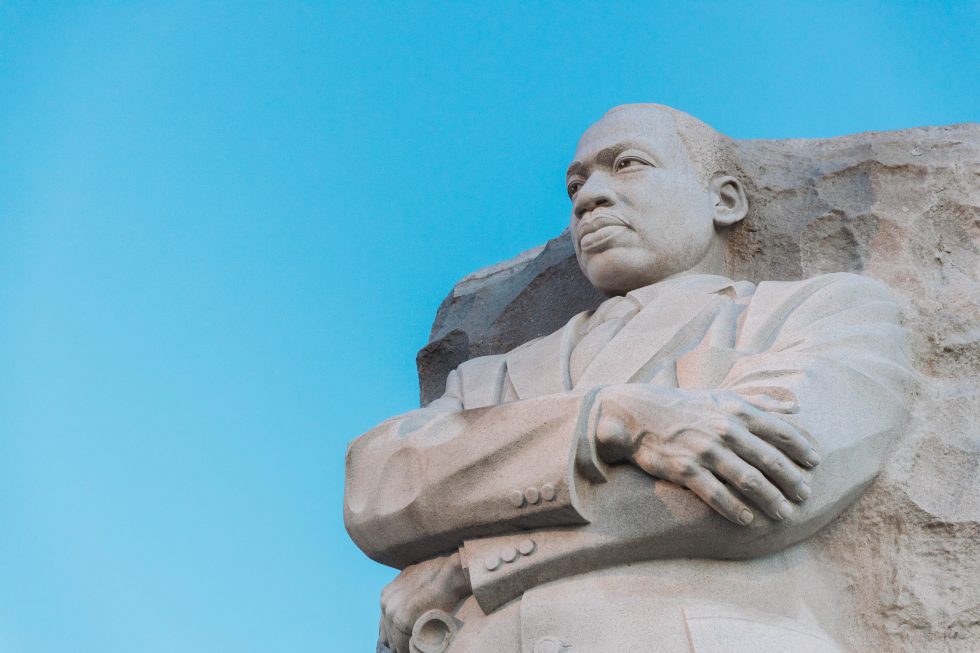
{"x": 731, "y": 203}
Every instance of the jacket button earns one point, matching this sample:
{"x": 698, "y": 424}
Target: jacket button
{"x": 492, "y": 563}
{"x": 508, "y": 554}
{"x": 548, "y": 645}
{"x": 548, "y": 492}
{"x": 517, "y": 498}
{"x": 526, "y": 547}
{"x": 532, "y": 495}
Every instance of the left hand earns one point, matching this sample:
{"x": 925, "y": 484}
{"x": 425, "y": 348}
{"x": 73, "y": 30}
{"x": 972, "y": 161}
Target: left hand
{"x": 722, "y": 447}
{"x": 439, "y": 583}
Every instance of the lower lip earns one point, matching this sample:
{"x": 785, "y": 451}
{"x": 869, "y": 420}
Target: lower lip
{"x": 597, "y": 239}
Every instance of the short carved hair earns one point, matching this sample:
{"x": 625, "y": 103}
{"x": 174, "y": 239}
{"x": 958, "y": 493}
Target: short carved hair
{"x": 711, "y": 152}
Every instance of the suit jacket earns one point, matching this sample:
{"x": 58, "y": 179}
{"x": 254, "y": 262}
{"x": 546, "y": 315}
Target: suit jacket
{"x": 503, "y": 466}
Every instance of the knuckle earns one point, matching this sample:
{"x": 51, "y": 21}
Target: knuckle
{"x": 720, "y": 425}
{"x": 735, "y": 404}
{"x": 771, "y": 462}
{"x": 710, "y": 455}
{"x": 782, "y": 433}
{"x": 742, "y": 409}
{"x": 643, "y": 459}
{"x": 686, "y": 468}
{"x": 791, "y": 432}
{"x": 749, "y": 484}
{"x": 719, "y": 499}
{"x": 701, "y": 445}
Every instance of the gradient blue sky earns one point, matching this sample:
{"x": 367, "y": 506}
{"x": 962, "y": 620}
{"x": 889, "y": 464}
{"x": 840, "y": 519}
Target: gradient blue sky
{"x": 225, "y": 229}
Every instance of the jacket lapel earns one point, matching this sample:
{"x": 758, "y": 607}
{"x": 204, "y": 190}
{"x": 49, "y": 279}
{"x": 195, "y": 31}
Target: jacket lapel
{"x": 541, "y": 366}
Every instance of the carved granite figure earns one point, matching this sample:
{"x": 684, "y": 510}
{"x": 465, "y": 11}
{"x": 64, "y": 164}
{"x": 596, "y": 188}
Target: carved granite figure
{"x": 637, "y": 480}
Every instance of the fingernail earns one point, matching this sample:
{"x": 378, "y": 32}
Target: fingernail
{"x": 803, "y": 492}
{"x": 812, "y": 458}
{"x": 745, "y": 517}
{"x": 783, "y": 511}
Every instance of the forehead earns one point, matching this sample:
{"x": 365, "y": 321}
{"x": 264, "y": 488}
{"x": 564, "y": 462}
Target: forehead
{"x": 637, "y": 126}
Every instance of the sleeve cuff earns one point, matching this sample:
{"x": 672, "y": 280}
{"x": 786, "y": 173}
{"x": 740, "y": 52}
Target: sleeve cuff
{"x": 587, "y": 461}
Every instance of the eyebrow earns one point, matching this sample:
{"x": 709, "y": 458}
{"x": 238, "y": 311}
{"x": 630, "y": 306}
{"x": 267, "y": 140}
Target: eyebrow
{"x": 606, "y": 156}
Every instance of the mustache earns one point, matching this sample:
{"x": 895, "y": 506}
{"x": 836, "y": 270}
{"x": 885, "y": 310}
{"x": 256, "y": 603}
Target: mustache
{"x": 597, "y": 220}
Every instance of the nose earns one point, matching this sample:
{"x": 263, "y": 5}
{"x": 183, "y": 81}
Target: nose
{"x": 595, "y": 192}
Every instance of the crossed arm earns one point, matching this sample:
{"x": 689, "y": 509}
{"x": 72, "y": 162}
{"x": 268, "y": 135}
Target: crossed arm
{"x": 707, "y": 442}
{"x": 439, "y": 502}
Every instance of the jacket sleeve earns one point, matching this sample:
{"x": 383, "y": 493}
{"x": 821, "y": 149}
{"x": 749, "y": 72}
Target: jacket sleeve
{"x": 419, "y": 484}
{"x": 834, "y": 345}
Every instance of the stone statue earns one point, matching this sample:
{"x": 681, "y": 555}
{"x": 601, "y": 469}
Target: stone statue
{"x": 639, "y": 480}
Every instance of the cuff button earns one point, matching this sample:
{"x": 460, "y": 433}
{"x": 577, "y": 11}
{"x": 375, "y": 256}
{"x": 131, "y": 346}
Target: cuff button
{"x": 548, "y": 492}
{"x": 526, "y": 547}
{"x": 517, "y": 498}
{"x": 492, "y": 563}
{"x": 532, "y": 495}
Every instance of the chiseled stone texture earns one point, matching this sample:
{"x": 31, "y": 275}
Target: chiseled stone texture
{"x": 902, "y": 207}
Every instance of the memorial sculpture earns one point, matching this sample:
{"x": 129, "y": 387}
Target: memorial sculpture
{"x": 639, "y": 479}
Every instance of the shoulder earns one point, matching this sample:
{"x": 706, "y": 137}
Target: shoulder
{"x": 793, "y": 310}
{"x": 823, "y": 293}
{"x": 836, "y": 283}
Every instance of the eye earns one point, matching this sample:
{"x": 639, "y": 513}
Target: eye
{"x": 628, "y": 162}
{"x": 573, "y": 187}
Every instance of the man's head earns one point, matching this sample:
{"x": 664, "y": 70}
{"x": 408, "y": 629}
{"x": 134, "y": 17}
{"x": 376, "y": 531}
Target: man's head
{"x": 652, "y": 190}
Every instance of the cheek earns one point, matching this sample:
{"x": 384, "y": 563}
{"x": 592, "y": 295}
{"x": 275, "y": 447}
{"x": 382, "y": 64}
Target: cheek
{"x": 686, "y": 193}
{"x": 664, "y": 194}
{"x": 680, "y": 211}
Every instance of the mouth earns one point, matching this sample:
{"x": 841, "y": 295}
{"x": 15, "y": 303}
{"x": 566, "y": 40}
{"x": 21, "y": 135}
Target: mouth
{"x": 598, "y": 230}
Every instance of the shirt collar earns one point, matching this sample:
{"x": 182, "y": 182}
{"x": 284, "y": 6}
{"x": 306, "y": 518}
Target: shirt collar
{"x": 692, "y": 284}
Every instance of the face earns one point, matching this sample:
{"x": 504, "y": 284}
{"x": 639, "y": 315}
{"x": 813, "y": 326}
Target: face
{"x": 639, "y": 212}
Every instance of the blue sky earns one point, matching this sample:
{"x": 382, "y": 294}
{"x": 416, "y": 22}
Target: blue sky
{"x": 225, "y": 229}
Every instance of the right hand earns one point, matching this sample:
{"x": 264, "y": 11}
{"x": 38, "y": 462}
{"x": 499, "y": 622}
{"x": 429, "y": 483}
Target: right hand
{"x": 437, "y": 583}
{"x": 721, "y": 446}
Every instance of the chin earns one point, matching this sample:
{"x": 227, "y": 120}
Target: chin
{"x": 614, "y": 273}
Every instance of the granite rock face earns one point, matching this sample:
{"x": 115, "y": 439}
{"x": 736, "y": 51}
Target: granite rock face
{"x": 902, "y": 207}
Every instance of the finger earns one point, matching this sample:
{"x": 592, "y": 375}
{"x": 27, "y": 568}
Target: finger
{"x": 398, "y": 638}
{"x": 772, "y": 405}
{"x": 770, "y": 461}
{"x": 721, "y": 499}
{"x": 751, "y": 484}
{"x": 781, "y": 434}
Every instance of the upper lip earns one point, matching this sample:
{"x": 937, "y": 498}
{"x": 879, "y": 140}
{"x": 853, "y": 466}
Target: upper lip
{"x": 597, "y": 220}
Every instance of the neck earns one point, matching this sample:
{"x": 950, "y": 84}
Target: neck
{"x": 713, "y": 261}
